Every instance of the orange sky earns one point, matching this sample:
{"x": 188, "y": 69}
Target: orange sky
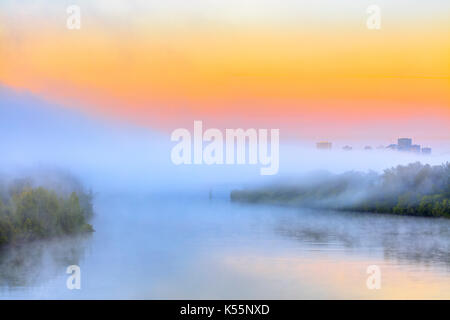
{"x": 316, "y": 81}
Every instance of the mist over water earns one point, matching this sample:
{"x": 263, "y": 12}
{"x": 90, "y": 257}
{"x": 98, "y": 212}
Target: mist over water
{"x": 152, "y": 247}
{"x": 113, "y": 156}
{"x": 166, "y": 231}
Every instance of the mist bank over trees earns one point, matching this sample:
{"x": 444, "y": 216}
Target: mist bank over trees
{"x": 117, "y": 157}
{"x": 413, "y": 189}
{"x": 42, "y": 204}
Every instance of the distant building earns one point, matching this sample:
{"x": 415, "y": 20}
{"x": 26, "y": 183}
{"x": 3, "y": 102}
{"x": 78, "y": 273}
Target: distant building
{"x": 392, "y": 147}
{"x": 415, "y": 148}
{"x": 347, "y": 148}
{"x": 404, "y": 144}
{"x": 324, "y": 145}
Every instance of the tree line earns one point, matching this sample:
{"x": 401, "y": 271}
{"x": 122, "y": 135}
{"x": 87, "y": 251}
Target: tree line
{"x": 413, "y": 189}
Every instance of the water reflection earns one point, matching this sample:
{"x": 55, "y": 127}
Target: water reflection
{"x": 155, "y": 248}
{"x": 32, "y": 264}
{"x": 422, "y": 241}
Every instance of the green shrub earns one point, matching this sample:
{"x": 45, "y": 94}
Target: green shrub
{"x": 38, "y": 213}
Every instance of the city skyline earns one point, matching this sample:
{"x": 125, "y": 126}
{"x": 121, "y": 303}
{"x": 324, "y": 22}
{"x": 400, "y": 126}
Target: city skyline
{"x": 403, "y": 144}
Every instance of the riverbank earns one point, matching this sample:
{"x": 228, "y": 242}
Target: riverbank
{"x": 29, "y": 211}
{"x": 415, "y": 189}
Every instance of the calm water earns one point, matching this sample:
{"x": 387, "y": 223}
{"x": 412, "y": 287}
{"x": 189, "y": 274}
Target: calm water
{"x": 150, "y": 248}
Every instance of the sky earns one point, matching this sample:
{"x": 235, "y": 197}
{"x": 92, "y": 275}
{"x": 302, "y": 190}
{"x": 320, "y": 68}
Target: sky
{"x": 121, "y": 157}
{"x": 311, "y": 68}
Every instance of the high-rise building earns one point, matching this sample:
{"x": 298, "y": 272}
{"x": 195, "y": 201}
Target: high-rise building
{"x": 324, "y": 145}
{"x": 415, "y": 148}
{"x": 404, "y": 144}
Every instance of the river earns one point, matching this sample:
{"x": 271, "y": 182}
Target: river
{"x": 180, "y": 247}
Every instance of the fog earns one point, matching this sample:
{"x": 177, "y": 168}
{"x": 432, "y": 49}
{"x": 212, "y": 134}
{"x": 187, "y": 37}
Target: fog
{"x": 40, "y": 261}
{"x": 111, "y": 156}
{"x": 167, "y": 231}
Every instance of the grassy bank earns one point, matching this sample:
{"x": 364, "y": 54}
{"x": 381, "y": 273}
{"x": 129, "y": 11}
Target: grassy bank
{"x": 29, "y": 212}
{"x": 415, "y": 189}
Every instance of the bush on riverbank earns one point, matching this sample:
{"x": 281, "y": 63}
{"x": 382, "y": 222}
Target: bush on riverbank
{"x": 415, "y": 189}
{"x": 29, "y": 213}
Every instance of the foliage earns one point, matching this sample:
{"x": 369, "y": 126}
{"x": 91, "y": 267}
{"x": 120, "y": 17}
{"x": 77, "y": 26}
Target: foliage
{"x": 28, "y": 213}
{"x": 415, "y": 189}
